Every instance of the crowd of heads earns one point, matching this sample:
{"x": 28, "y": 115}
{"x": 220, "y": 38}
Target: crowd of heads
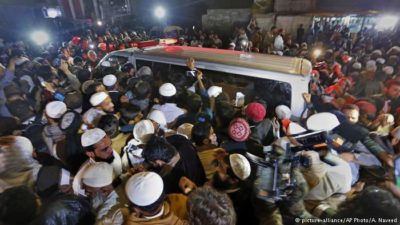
{"x": 83, "y": 143}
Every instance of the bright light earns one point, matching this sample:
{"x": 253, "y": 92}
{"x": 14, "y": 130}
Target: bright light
{"x": 317, "y": 53}
{"x": 40, "y": 37}
{"x": 52, "y": 12}
{"x": 347, "y": 20}
{"x": 244, "y": 43}
{"x": 386, "y": 23}
{"x": 91, "y": 46}
{"x": 99, "y": 23}
{"x": 159, "y": 12}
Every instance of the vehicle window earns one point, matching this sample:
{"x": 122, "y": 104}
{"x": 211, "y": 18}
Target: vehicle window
{"x": 272, "y": 92}
{"x": 120, "y": 60}
{"x": 140, "y": 63}
{"x": 161, "y": 70}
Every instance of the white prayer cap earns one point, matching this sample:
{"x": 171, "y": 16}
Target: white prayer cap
{"x": 380, "y": 60}
{"x": 377, "y": 51}
{"x": 371, "y": 65}
{"x": 167, "y": 90}
{"x": 295, "y": 128}
{"x": 145, "y": 188}
{"x": 393, "y": 50}
{"x": 283, "y": 112}
{"x": 55, "y": 109}
{"x": 92, "y": 136}
{"x": 106, "y": 64}
{"x": 109, "y": 80}
{"x": 144, "y": 71}
{"x": 322, "y": 122}
{"x": 357, "y": 66}
{"x": 97, "y": 98}
{"x": 143, "y": 131}
{"x": 97, "y": 175}
{"x": 21, "y": 60}
{"x": 186, "y": 130}
{"x": 158, "y": 117}
{"x": 214, "y": 91}
{"x": 240, "y": 166}
{"x": 388, "y": 70}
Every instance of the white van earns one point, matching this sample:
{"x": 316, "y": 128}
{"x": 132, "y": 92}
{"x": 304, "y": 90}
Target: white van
{"x": 275, "y": 79}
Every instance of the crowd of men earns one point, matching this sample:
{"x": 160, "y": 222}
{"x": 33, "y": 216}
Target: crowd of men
{"x": 115, "y": 144}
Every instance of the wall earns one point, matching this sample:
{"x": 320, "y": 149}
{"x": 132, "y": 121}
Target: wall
{"x": 265, "y": 21}
{"x": 291, "y": 23}
{"x": 224, "y": 19}
{"x": 294, "y": 6}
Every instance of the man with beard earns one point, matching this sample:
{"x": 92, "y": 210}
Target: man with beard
{"x": 102, "y": 104}
{"x": 97, "y": 181}
{"x": 231, "y": 178}
{"x": 97, "y": 146}
{"x": 175, "y": 165}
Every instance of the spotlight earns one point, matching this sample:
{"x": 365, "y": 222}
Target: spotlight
{"x": 317, "y": 52}
{"x": 40, "y": 37}
{"x": 159, "y": 12}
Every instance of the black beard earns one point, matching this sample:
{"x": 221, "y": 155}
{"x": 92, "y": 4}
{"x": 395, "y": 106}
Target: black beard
{"x": 108, "y": 160}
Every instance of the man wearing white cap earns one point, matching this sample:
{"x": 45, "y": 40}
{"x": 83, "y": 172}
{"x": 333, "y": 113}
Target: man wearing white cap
{"x": 110, "y": 81}
{"x": 102, "y": 104}
{"x": 158, "y": 119}
{"x": 232, "y": 172}
{"x": 97, "y": 181}
{"x": 167, "y": 104}
{"x": 145, "y": 191}
{"x": 97, "y": 146}
{"x": 52, "y": 132}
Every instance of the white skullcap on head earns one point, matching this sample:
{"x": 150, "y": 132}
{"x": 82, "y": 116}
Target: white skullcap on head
{"x": 167, "y": 90}
{"x": 357, "y": 66}
{"x": 388, "y": 70}
{"x": 144, "y": 71}
{"x": 232, "y": 44}
{"x": 186, "y": 130}
{"x": 92, "y": 136}
{"x": 380, "y": 60}
{"x": 109, "y": 80}
{"x": 55, "y": 109}
{"x": 393, "y": 50}
{"x": 240, "y": 166}
{"x": 145, "y": 188}
{"x": 214, "y": 91}
{"x": 106, "y": 64}
{"x": 143, "y": 131}
{"x": 295, "y": 128}
{"x": 21, "y": 60}
{"x": 158, "y": 117}
{"x": 97, "y": 175}
{"x": 377, "y": 51}
{"x": 322, "y": 122}
{"x": 97, "y": 98}
{"x": 371, "y": 65}
{"x": 283, "y": 112}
